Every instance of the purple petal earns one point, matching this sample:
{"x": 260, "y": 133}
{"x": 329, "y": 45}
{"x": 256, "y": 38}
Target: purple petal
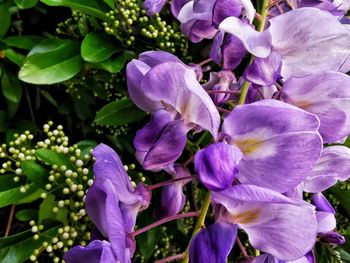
{"x": 172, "y": 197}
{"x": 225, "y": 8}
{"x": 153, "y": 7}
{"x": 168, "y": 146}
{"x": 283, "y": 227}
{"x": 264, "y": 71}
{"x": 232, "y": 52}
{"x": 213, "y": 244}
{"x": 176, "y": 6}
{"x": 324, "y": 175}
{"x": 215, "y": 50}
{"x": 183, "y": 94}
{"x": 321, "y": 203}
{"x": 324, "y": 95}
{"x": 96, "y": 251}
{"x": 325, "y": 222}
{"x": 263, "y": 130}
{"x": 332, "y": 238}
{"x": 103, "y": 208}
{"x": 108, "y": 166}
{"x": 216, "y": 165}
{"x": 154, "y": 58}
{"x": 302, "y": 45}
{"x": 259, "y": 44}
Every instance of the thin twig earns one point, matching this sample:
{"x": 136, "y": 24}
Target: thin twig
{"x": 171, "y": 258}
{"x": 171, "y": 181}
{"x": 9, "y": 221}
{"x": 241, "y": 247}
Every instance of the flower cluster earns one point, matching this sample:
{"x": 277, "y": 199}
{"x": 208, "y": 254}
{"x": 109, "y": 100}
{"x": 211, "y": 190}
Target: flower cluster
{"x": 265, "y": 153}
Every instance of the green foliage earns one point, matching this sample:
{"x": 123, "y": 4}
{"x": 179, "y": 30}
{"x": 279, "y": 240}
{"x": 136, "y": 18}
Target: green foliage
{"x": 5, "y": 19}
{"x": 25, "y": 4}
{"x": 118, "y": 113}
{"x": 51, "y": 61}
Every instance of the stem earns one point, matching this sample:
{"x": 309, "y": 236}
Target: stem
{"x": 261, "y": 26}
{"x": 223, "y": 110}
{"x": 222, "y": 91}
{"x": 161, "y": 184}
{"x": 9, "y": 221}
{"x": 163, "y": 221}
{"x": 199, "y": 224}
{"x": 171, "y": 258}
{"x": 204, "y": 62}
{"x": 241, "y": 247}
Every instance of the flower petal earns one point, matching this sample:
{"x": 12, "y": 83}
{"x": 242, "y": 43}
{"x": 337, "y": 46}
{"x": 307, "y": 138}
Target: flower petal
{"x": 259, "y": 44}
{"x": 283, "y": 227}
{"x": 177, "y": 88}
{"x": 213, "y": 244}
{"x": 217, "y": 164}
{"x": 302, "y": 45}
{"x": 263, "y": 131}
{"x": 96, "y": 251}
{"x": 323, "y": 175}
{"x": 324, "y": 95}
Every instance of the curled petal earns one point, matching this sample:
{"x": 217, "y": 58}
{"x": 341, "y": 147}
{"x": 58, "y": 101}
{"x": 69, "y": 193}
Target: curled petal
{"x": 226, "y": 8}
{"x": 96, "y": 251}
{"x": 109, "y": 166}
{"x": 325, "y": 222}
{"x": 178, "y": 89}
{"x": 213, "y": 244}
{"x": 216, "y": 165}
{"x": 324, "y": 175}
{"x": 263, "y": 130}
{"x": 332, "y": 238}
{"x": 259, "y": 44}
{"x": 264, "y": 71}
{"x": 322, "y": 204}
{"x": 324, "y": 95}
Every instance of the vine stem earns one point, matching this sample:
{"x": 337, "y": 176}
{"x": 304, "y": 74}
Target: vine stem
{"x": 171, "y": 181}
{"x": 261, "y": 27}
{"x": 171, "y": 258}
{"x": 163, "y": 221}
{"x": 199, "y": 223}
{"x": 9, "y": 221}
{"x": 241, "y": 247}
{"x": 204, "y": 62}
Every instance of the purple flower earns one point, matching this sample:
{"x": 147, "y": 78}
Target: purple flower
{"x": 300, "y": 44}
{"x": 178, "y": 102}
{"x": 172, "y": 197}
{"x": 263, "y": 131}
{"x": 200, "y": 18}
{"x": 221, "y": 81}
{"x": 280, "y": 226}
{"x": 217, "y": 165}
{"x": 266, "y": 258}
{"x": 153, "y": 7}
{"x": 325, "y": 95}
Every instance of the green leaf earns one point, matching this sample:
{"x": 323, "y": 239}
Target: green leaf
{"x": 5, "y": 19}
{"x": 19, "y": 252}
{"x": 26, "y": 214}
{"x": 115, "y": 64}
{"x": 8, "y": 241}
{"x": 11, "y": 87}
{"x": 45, "y": 210}
{"x": 119, "y": 113}
{"x": 6, "y": 182}
{"x": 97, "y": 47}
{"x": 25, "y": 4}
{"x": 343, "y": 196}
{"x": 14, "y": 57}
{"x": 85, "y": 146}
{"x": 95, "y": 8}
{"x": 52, "y": 157}
{"x": 147, "y": 242}
{"x": 22, "y": 42}
{"x": 14, "y": 196}
{"x": 110, "y": 3}
{"x": 36, "y": 173}
{"x": 52, "y": 61}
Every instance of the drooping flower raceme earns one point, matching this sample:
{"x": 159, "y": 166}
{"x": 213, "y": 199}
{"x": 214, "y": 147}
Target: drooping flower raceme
{"x": 178, "y": 103}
